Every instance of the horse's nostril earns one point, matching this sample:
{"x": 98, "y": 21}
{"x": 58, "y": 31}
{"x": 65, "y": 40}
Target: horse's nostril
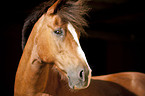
{"x": 82, "y": 75}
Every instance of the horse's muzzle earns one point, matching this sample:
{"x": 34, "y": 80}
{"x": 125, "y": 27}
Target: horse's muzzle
{"x": 79, "y": 78}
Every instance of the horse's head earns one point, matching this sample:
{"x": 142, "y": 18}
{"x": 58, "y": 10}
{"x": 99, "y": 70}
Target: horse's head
{"x": 58, "y": 43}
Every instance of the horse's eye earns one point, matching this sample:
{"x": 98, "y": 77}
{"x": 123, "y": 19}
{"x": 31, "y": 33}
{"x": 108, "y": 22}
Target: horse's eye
{"x": 59, "y": 31}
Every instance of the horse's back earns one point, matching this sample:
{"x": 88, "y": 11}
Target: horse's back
{"x": 132, "y": 81}
{"x": 119, "y": 84}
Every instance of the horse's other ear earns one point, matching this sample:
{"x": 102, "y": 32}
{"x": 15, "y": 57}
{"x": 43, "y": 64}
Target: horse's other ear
{"x": 53, "y": 9}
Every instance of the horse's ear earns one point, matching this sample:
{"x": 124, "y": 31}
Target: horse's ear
{"x": 53, "y": 9}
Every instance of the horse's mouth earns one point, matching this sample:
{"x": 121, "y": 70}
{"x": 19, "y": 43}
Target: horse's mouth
{"x": 79, "y": 83}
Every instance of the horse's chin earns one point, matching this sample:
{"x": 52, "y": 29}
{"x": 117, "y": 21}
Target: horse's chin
{"x": 78, "y": 87}
{"x": 77, "y": 84}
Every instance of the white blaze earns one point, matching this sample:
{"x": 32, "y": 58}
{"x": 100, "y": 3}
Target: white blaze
{"x": 79, "y": 49}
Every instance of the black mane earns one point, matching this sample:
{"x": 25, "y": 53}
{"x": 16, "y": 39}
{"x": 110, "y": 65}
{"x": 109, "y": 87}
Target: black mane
{"x": 69, "y": 11}
{"x": 32, "y": 19}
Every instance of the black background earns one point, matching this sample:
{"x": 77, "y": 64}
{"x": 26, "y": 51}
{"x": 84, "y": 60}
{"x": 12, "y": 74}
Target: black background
{"x": 115, "y": 41}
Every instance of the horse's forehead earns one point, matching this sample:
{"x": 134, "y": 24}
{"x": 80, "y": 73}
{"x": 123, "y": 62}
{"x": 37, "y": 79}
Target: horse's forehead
{"x": 73, "y": 32}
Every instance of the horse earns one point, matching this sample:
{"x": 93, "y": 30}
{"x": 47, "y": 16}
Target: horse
{"x": 53, "y": 62}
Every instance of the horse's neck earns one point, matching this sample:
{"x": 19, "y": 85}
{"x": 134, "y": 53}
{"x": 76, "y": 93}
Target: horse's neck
{"x": 32, "y": 75}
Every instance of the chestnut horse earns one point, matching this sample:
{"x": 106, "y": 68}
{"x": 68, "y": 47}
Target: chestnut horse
{"x": 54, "y": 64}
